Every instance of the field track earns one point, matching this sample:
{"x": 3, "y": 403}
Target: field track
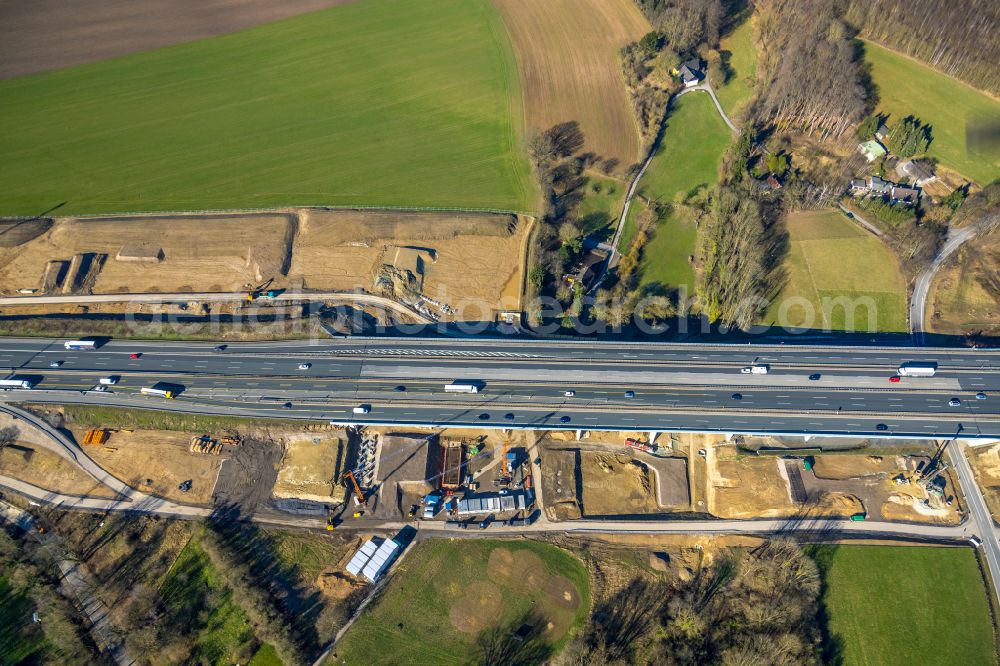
{"x": 567, "y": 52}
{"x": 41, "y": 35}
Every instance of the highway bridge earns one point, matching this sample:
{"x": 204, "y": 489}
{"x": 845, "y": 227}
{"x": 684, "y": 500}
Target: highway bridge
{"x": 809, "y": 390}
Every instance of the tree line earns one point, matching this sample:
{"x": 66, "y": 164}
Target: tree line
{"x": 755, "y": 606}
{"x": 809, "y": 69}
{"x": 957, "y": 37}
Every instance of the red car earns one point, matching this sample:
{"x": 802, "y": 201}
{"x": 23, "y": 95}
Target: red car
{"x": 134, "y": 355}
{"x": 894, "y": 378}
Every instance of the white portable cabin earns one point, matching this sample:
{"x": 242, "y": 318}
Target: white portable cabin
{"x": 381, "y": 560}
{"x": 361, "y": 558}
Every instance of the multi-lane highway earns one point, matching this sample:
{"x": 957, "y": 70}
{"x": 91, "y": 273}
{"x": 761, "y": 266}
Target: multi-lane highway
{"x": 632, "y": 386}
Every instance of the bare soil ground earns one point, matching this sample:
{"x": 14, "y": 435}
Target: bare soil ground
{"x": 156, "y": 462}
{"x": 40, "y": 35}
{"x": 985, "y": 462}
{"x": 473, "y": 262}
{"x": 311, "y": 467}
{"x": 616, "y": 484}
{"x": 49, "y": 471}
{"x": 567, "y": 53}
{"x": 559, "y": 484}
{"x": 965, "y": 295}
{"x": 838, "y": 485}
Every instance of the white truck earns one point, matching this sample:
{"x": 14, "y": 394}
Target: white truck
{"x": 163, "y": 392}
{"x": 461, "y": 387}
{"x": 917, "y": 369}
{"x": 15, "y": 383}
{"x": 80, "y": 344}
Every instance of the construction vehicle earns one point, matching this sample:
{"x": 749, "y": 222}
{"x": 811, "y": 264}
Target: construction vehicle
{"x": 96, "y": 437}
{"x": 231, "y": 440}
{"x": 262, "y": 291}
{"x": 359, "y": 499}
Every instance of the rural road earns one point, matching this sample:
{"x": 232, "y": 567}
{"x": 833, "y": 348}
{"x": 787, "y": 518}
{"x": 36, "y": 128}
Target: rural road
{"x": 979, "y": 511}
{"x": 76, "y": 580}
{"x": 215, "y": 297}
{"x": 860, "y": 220}
{"x": 918, "y": 302}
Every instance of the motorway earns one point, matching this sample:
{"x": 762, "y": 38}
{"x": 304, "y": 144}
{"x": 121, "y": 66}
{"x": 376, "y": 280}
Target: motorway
{"x": 677, "y": 387}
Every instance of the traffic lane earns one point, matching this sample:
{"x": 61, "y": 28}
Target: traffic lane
{"x": 564, "y": 350}
{"x": 447, "y": 370}
{"x": 297, "y": 388}
{"x": 548, "y": 418}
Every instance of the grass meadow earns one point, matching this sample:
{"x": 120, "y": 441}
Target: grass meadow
{"x": 448, "y": 593}
{"x": 830, "y": 257}
{"x": 383, "y": 103}
{"x": 742, "y": 59}
{"x": 689, "y": 154}
{"x": 687, "y": 159}
{"x": 905, "y": 605}
{"x": 907, "y": 87}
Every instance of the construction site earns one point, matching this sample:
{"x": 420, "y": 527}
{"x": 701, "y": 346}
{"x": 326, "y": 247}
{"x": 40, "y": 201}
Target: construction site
{"x": 434, "y": 263}
{"x": 754, "y": 479}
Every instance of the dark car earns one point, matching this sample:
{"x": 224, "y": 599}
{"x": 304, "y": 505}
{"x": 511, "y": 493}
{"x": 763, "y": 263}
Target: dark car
{"x": 399, "y": 388}
{"x": 815, "y": 376}
{"x": 881, "y": 426}
{"x": 484, "y": 417}
{"x": 629, "y": 394}
{"x": 564, "y": 419}
{"x": 737, "y": 396}
{"x": 287, "y": 405}
{"x": 509, "y": 416}
{"x": 221, "y": 348}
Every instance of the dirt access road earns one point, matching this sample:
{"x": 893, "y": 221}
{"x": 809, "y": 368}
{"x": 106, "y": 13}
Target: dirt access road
{"x": 41, "y": 35}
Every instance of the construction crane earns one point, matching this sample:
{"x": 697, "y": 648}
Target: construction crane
{"x": 357, "y": 489}
{"x": 934, "y": 466}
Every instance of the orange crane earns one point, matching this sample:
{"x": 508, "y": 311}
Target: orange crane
{"x": 357, "y": 488}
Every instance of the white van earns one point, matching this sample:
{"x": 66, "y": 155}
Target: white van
{"x": 760, "y": 369}
{"x": 108, "y": 381}
{"x": 362, "y": 409}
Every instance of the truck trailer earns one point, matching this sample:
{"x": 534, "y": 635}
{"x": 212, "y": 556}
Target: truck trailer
{"x": 80, "y": 344}
{"x": 917, "y": 369}
{"x": 15, "y": 383}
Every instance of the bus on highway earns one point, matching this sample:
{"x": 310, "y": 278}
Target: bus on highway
{"x": 80, "y": 344}
{"x": 15, "y": 383}
{"x": 161, "y": 389}
{"x": 461, "y": 387}
{"x": 917, "y": 369}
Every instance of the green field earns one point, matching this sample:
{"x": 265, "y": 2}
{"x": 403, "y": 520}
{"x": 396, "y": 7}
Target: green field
{"x": 447, "y": 593}
{"x": 383, "y": 102}
{"x": 829, "y": 259}
{"x": 665, "y": 262}
{"x": 743, "y": 63}
{"x": 906, "y": 87}
{"x": 905, "y": 605}
{"x": 601, "y": 205}
{"x": 689, "y": 154}
{"x": 193, "y": 592}
{"x": 688, "y": 158}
